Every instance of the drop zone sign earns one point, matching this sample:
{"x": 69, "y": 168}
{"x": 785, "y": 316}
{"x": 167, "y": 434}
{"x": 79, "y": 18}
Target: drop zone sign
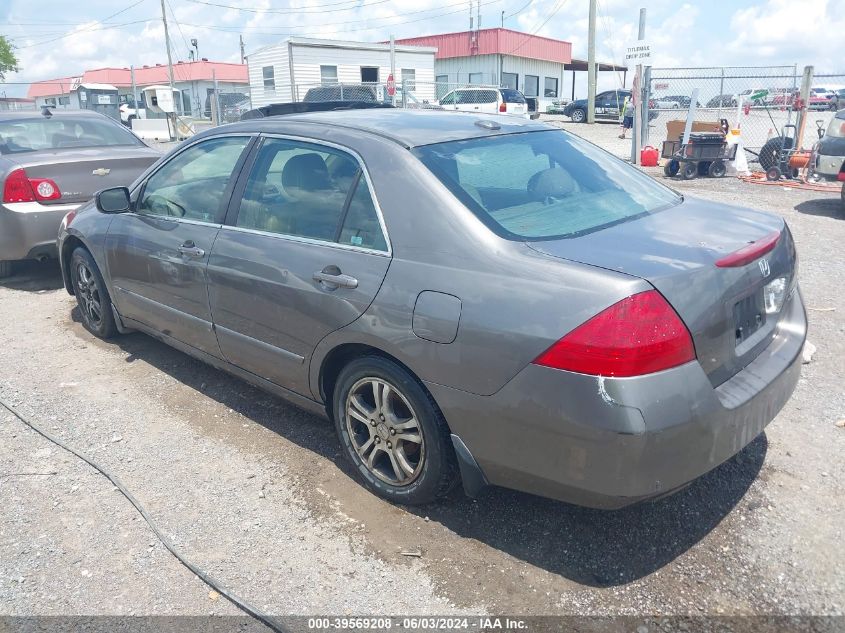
{"x": 638, "y": 53}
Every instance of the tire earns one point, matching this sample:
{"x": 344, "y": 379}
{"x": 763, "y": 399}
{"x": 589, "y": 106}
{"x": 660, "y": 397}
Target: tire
{"x": 773, "y": 174}
{"x": 91, "y": 295}
{"x": 771, "y": 150}
{"x": 671, "y": 168}
{"x": 717, "y": 169}
{"x": 5, "y": 269}
{"x": 689, "y": 171}
{"x": 578, "y": 115}
{"x": 420, "y": 469}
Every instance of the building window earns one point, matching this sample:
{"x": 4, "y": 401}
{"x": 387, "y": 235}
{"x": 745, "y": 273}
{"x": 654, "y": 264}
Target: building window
{"x": 409, "y": 76}
{"x": 510, "y": 80}
{"x": 64, "y": 100}
{"x": 550, "y": 89}
{"x": 269, "y": 79}
{"x": 328, "y": 75}
{"x": 50, "y": 101}
{"x": 476, "y": 78}
{"x": 532, "y": 85}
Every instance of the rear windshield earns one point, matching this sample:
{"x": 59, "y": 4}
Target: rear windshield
{"x": 30, "y": 135}
{"x": 544, "y": 185}
{"x": 512, "y": 96}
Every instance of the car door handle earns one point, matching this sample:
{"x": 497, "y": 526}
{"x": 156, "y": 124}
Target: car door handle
{"x": 338, "y": 281}
{"x": 191, "y": 250}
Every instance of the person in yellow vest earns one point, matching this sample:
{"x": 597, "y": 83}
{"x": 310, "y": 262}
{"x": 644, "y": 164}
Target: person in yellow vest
{"x": 627, "y": 116}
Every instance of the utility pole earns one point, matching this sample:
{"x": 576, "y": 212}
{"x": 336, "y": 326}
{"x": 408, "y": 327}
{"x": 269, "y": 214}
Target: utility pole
{"x": 640, "y": 108}
{"x": 393, "y": 70}
{"x": 503, "y": 19}
{"x": 136, "y": 106}
{"x": 243, "y": 57}
{"x": 172, "y": 115}
{"x": 591, "y": 65}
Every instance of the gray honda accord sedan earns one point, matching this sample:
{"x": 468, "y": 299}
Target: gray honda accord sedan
{"x": 470, "y": 298}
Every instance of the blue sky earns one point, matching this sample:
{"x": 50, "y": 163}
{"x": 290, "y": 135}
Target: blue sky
{"x": 60, "y": 38}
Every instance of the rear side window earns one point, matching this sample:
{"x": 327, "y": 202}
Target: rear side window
{"x": 311, "y": 191}
{"x": 512, "y": 96}
{"x": 543, "y": 185}
{"x": 30, "y": 135}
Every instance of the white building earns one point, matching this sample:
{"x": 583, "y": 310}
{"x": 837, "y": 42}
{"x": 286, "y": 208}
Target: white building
{"x": 285, "y": 71}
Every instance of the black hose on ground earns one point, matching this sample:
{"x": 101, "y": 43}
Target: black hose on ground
{"x": 208, "y": 580}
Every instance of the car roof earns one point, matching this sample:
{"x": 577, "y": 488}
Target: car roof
{"x": 410, "y": 128}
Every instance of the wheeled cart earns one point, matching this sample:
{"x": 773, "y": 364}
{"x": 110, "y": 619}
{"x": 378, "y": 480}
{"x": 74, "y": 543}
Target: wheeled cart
{"x": 704, "y": 154}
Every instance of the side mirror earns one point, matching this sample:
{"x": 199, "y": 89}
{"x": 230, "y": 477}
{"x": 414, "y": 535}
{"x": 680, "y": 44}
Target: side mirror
{"x": 114, "y": 200}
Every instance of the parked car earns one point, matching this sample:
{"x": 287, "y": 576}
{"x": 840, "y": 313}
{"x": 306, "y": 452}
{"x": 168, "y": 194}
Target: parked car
{"x": 675, "y": 101}
{"x": 609, "y": 106}
{"x": 840, "y": 99}
{"x": 830, "y": 152}
{"x": 821, "y": 98}
{"x": 50, "y": 163}
{"x": 468, "y": 297}
{"x": 485, "y": 100}
{"x": 234, "y": 111}
{"x": 349, "y": 93}
{"x": 722, "y": 101}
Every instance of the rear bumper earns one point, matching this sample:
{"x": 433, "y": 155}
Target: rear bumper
{"x": 607, "y": 443}
{"x": 29, "y": 229}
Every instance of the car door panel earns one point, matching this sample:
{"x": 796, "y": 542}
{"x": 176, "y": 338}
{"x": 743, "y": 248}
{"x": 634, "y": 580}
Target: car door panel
{"x": 269, "y": 310}
{"x": 157, "y": 284}
{"x": 157, "y": 255}
{"x": 282, "y": 274}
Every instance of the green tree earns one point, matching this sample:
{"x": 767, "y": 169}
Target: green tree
{"x": 8, "y": 60}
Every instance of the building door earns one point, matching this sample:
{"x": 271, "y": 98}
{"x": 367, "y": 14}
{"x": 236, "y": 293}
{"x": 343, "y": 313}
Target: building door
{"x": 369, "y": 74}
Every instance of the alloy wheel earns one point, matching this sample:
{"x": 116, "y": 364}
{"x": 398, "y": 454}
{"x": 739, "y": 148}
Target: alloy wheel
{"x": 384, "y": 431}
{"x": 88, "y": 294}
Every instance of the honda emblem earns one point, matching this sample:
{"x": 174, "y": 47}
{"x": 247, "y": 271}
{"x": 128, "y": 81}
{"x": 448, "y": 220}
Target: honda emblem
{"x": 764, "y": 267}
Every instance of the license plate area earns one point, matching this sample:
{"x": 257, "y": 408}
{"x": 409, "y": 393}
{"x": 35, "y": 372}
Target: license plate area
{"x": 749, "y": 316}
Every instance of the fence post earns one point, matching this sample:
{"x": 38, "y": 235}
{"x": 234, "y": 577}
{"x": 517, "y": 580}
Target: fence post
{"x": 806, "y": 82}
{"x": 721, "y": 91}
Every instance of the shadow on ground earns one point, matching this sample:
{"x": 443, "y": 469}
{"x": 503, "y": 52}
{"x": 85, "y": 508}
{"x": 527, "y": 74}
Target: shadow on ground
{"x": 829, "y": 207}
{"x": 34, "y": 276}
{"x": 593, "y": 547}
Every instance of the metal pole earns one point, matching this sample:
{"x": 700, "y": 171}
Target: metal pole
{"x": 393, "y": 69}
{"x": 242, "y": 48}
{"x": 172, "y": 115}
{"x": 134, "y": 94}
{"x": 639, "y": 107}
{"x": 721, "y": 92}
{"x": 591, "y": 64}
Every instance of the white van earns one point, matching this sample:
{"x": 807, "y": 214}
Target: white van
{"x": 487, "y": 100}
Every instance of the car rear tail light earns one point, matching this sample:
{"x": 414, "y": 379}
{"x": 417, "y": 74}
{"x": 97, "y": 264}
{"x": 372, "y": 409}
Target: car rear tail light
{"x": 639, "y": 335}
{"x": 503, "y": 107}
{"x": 749, "y": 253}
{"x": 841, "y": 176}
{"x": 19, "y": 188}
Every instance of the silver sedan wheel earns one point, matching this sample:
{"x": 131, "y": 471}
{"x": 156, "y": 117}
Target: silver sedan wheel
{"x": 384, "y": 431}
{"x": 89, "y": 295}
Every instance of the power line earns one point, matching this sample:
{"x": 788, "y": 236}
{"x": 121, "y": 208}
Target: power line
{"x": 124, "y": 10}
{"x": 88, "y": 30}
{"x": 558, "y": 6}
{"x": 517, "y": 12}
{"x": 236, "y": 29}
{"x": 320, "y": 9}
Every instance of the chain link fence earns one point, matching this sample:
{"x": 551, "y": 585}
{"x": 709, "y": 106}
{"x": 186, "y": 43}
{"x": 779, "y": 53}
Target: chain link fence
{"x": 759, "y": 101}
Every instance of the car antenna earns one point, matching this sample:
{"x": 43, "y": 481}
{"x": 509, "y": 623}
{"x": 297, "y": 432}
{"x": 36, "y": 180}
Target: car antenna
{"x": 45, "y": 111}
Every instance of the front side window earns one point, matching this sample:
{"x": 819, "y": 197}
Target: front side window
{"x": 449, "y": 99}
{"x": 269, "y": 75}
{"x": 532, "y": 85}
{"x": 303, "y": 190}
{"x": 550, "y": 87}
{"x": 328, "y": 75}
{"x": 193, "y": 183}
{"x": 543, "y": 185}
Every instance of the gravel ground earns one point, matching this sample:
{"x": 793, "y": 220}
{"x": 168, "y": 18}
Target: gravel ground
{"x": 254, "y": 490}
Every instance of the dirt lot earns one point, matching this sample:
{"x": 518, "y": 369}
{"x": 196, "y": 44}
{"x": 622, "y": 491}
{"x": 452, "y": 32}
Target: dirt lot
{"x": 254, "y": 490}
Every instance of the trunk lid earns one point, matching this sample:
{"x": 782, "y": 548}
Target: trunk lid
{"x": 81, "y": 172}
{"x": 676, "y": 251}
